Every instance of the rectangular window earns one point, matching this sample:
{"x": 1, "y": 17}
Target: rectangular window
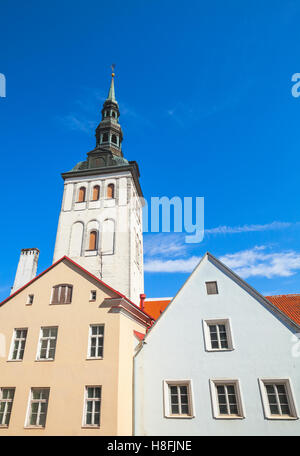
{"x": 227, "y": 400}
{"x": 211, "y": 288}
{"x": 6, "y": 402}
{"x": 218, "y": 335}
{"x": 38, "y": 406}
{"x": 93, "y": 295}
{"x": 96, "y": 341}
{"x": 226, "y": 396}
{"x": 30, "y": 300}
{"x": 92, "y": 406}
{"x": 278, "y": 399}
{"x": 18, "y": 344}
{"x": 47, "y": 345}
{"x": 178, "y": 399}
{"x": 62, "y": 294}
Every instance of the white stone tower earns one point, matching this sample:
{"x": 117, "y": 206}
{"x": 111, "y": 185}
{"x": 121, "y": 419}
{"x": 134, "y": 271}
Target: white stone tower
{"x": 27, "y": 268}
{"x": 100, "y": 223}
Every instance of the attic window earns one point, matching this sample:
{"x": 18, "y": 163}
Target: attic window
{"x": 62, "y": 294}
{"x": 30, "y": 299}
{"x": 211, "y": 288}
{"x": 93, "y": 295}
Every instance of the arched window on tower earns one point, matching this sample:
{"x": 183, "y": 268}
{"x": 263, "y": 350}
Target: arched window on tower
{"x": 93, "y": 240}
{"x": 114, "y": 139}
{"x": 113, "y": 114}
{"x": 105, "y": 137}
{"x": 110, "y": 191}
{"x": 96, "y": 193}
{"x": 81, "y": 195}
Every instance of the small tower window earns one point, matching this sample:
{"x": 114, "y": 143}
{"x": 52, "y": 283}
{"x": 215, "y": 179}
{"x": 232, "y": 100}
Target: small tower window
{"x": 113, "y": 114}
{"x": 81, "y": 195}
{"x": 96, "y": 193}
{"x": 114, "y": 139}
{"x": 110, "y": 191}
{"x": 93, "y": 240}
{"x": 105, "y": 137}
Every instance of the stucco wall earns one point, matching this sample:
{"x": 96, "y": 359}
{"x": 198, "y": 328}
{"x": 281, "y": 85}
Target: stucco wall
{"x": 71, "y": 371}
{"x": 175, "y": 349}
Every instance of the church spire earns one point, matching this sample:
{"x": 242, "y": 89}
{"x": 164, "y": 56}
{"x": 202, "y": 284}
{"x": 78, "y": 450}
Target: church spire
{"x": 111, "y": 93}
{"x": 109, "y": 133}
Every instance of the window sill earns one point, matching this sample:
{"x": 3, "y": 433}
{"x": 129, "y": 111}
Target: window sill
{"x": 229, "y": 417}
{"x": 281, "y": 417}
{"x": 95, "y": 357}
{"x": 44, "y": 360}
{"x": 86, "y": 426}
{"x": 34, "y": 427}
{"x": 14, "y": 360}
{"x": 3, "y": 426}
{"x": 219, "y": 349}
{"x": 181, "y": 417}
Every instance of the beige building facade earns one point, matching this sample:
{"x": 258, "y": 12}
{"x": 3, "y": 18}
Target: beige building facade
{"x": 66, "y": 364}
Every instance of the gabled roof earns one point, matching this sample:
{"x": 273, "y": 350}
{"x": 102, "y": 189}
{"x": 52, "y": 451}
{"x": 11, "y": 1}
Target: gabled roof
{"x": 289, "y": 304}
{"x": 291, "y": 317}
{"x": 67, "y": 259}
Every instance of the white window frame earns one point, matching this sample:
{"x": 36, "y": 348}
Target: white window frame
{"x": 14, "y": 338}
{"x": 290, "y": 396}
{"x": 215, "y": 402}
{"x": 30, "y": 401}
{"x": 207, "y": 339}
{"x": 49, "y": 338}
{"x": 6, "y": 401}
{"x": 99, "y": 336}
{"x": 167, "y": 404}
{"x": 84, "y": 424}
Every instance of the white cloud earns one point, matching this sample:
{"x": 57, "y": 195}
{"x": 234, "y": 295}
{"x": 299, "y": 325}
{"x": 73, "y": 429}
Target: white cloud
{"x": 257, "y": 262}
{"x": 163, "y": 244}
{"x": 248, "y": 228}
{"x": 73, "y": 122}
{"x": 180, "y": 265}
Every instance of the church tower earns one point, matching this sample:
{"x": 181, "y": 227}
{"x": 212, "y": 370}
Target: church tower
{"x": 100, "y": 223}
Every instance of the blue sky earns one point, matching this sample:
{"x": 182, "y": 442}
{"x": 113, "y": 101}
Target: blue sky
{"x": 204, "y": 90}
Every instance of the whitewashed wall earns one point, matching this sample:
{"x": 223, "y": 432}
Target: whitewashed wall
{"x": 115, "y": 255}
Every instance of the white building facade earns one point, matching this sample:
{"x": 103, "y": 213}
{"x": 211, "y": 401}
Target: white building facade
{"x": 218, "y": 361}
{"x": 100, "y": 223}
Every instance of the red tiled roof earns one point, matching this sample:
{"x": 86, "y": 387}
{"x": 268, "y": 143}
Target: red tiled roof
{"x": 288, "y": 304}
{"x": 155, "y": 307}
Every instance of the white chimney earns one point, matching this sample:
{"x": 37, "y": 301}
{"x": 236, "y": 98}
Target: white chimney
{"x": 27, "y": 268}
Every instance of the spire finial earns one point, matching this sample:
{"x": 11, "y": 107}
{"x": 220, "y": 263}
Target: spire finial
{"x": 111, "y": 93}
